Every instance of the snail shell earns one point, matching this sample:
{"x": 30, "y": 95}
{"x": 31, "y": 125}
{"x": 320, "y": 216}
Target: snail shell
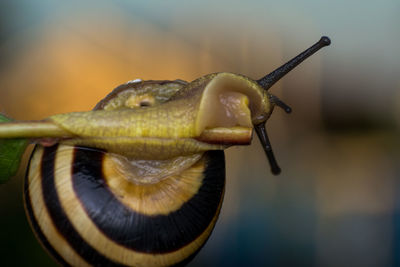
{"x": 85, "y": 211}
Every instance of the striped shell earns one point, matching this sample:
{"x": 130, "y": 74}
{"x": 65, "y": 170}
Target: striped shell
{"x": 85, "y": 212}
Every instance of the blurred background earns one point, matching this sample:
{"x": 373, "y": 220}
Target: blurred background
{"x": 337, "y": 201}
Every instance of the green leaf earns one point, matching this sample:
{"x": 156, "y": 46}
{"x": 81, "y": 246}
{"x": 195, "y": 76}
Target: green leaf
{"x": 11, "y": 151}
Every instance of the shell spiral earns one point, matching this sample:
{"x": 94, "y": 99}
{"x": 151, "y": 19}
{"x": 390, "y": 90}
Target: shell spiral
{"x": 81, "y": 220}
{"x": 86, "y": 213}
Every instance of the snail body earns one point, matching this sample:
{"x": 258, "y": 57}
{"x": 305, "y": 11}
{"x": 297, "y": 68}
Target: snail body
{"x": 139, "y": 180}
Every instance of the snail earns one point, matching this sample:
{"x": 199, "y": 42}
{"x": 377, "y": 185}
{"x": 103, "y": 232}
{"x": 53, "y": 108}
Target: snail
{"x": 139, "y": 180}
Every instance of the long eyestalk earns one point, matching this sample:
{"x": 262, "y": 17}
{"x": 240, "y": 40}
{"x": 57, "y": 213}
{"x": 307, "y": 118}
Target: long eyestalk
{"x": 267, "y": 81}
{"x": 263, "y": 136}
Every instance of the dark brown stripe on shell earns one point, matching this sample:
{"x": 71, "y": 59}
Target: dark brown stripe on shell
{"x": 143, "y": 233}
{"x": 34, "y": 223}
{"x": 59, "y": 217}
